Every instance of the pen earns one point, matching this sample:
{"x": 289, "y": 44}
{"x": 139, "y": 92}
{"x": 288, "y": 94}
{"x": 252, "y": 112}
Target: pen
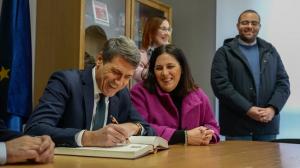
{"x": 115, "y": 121}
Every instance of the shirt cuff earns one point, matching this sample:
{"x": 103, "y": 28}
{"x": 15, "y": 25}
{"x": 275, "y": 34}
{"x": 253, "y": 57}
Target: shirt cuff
{"x": 143, "y": 132}
{"x": 3, "y": 153}
{"x": 78, "y": 137}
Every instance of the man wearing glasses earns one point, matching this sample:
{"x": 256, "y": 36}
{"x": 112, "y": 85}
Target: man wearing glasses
{"x": 250, "y": 81}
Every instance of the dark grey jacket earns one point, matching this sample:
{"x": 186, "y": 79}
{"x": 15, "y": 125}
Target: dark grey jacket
{"x": 234, "y": 86}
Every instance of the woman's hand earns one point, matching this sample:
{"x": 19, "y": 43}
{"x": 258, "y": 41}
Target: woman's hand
{"x": 199, "y": 136}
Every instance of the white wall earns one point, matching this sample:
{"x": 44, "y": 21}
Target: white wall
{"x": 283, "y": 29}
{"x": 194, "y": 32}
{"x": 228, "y": 12}
{"x": 280, "y": 26}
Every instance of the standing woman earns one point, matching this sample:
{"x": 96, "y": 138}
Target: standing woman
{"x": 171, "y": 102}
{"x": 157, "y": 31}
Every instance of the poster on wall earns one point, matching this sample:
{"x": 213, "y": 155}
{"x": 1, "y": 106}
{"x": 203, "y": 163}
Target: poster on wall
{"x": 100, "y": 13}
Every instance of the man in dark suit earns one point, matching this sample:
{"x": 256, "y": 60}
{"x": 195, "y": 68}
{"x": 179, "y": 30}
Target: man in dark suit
{"x": 14, "y": 147}
{"x": 69, "y": 111}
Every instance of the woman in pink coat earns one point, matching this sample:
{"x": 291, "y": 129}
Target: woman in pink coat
{"x": 171, "y": 102}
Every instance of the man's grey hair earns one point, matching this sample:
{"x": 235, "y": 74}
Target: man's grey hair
{"x": 121, "y": 46}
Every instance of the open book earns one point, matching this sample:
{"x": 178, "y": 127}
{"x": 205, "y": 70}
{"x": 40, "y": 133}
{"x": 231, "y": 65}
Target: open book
{"x": 138, "y": 146}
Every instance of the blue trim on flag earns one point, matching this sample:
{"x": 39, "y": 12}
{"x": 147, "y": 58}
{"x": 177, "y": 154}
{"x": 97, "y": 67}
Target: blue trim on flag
{"x": 14, "y": 123}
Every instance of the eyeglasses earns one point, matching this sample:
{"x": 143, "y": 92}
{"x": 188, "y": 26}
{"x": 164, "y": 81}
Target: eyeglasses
{"x": 246, "y": 22}
{"x": 165, "y": 29}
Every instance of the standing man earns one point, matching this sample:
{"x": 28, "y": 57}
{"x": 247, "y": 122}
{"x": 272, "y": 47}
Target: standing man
{"x": 78, "y": 107}
{"x": 250, "y": 81}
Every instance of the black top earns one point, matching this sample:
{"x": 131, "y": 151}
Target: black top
{"x": 178, "y": 136}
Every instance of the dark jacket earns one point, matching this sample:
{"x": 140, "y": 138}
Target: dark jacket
{"x": 234, "y": 86}
{"x": 66, "y": 108}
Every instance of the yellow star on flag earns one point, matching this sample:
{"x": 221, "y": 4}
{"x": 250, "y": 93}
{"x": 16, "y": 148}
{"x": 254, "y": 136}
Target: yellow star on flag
{"x": 3, "y": 73}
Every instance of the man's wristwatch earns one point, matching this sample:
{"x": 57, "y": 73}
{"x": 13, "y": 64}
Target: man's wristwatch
{"x": 139, "y": 132}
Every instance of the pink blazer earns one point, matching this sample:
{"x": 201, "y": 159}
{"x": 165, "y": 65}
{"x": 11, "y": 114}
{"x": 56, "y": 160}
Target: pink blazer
{"x": 161, "y": 113}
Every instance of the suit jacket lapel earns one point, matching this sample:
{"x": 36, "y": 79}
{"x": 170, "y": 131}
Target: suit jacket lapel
{"x": 113, "y": 108}
{"x": 88, "y": 95}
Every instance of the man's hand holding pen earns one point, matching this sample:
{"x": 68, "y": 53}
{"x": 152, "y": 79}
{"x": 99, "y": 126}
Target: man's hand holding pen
{"x": 131, "y": 128}
{"x": 110, "y": 135}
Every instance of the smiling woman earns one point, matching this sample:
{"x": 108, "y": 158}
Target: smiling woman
{"x": 172, "y": 103}
{"x": 157, "y": 32}
{"x": 167, "y": 71}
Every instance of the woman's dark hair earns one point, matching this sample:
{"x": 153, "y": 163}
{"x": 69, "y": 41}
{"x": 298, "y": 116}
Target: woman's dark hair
{"x": 186, "y": 83}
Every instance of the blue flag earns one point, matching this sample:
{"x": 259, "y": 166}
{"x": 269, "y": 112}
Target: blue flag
{"x": 15, "y": 63}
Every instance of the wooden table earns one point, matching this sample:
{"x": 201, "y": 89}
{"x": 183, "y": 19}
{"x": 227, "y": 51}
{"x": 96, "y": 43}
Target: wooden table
{"x": 228, "y": 154}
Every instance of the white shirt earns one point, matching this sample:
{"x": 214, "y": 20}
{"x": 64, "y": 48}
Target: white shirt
{"x": 3, "y": 154}
{"x": 78, "y": 136}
